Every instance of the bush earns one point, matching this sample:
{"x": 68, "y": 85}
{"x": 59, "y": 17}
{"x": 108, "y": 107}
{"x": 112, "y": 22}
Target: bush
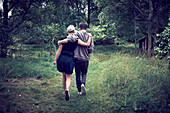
{"x": 102, "y": 35}
{"x": 163, "y": 47}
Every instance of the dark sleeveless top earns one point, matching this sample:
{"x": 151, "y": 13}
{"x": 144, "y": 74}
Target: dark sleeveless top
{"x": 65, "y": 62}
{"x": 70, "y": 46}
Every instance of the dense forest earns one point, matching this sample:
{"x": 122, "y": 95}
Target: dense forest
{"x": 128, "y": 70}
{"x": 37, "y": 21}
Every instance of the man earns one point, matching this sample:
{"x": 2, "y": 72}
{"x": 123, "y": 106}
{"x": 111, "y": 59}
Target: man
{"x": 81, "y": 55}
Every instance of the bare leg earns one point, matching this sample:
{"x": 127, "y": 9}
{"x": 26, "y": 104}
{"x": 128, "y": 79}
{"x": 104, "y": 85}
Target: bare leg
{"x": 68, "y": 81}
{"x": 64, "y": 81}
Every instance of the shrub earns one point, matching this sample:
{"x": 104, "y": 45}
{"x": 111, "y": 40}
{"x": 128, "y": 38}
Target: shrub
{"x": 102, "y": 35}
{"x": 163, "y": 47}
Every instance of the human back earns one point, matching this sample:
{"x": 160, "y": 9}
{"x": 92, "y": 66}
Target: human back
{"x": 70, "y": 47}
{"x": 81, "y": 52}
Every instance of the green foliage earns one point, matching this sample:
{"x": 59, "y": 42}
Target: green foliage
{"x": 41, "y": 34}
{"x": 117, "y": 16}
{"x": 97, "y": 32}
{"x": 104, "y": 34}
{"x": 163, "y": 44}
{"x": 123, "y": 12}
{"x": 53, "y": 18}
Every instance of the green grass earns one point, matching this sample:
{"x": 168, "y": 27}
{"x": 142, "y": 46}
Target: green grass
{"x": 127, "y": 84}
{"x": 117, "y": 82}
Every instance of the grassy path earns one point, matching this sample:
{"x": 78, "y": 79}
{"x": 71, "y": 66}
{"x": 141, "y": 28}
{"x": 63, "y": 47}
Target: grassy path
{"x": 116, "y": 82}
{"x": 44, "y": 95}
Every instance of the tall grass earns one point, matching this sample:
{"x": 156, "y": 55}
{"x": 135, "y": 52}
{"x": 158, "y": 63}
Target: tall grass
{"x": 120, "y": 82}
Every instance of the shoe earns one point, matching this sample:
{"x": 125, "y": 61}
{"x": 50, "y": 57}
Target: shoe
{"x": 79, "y": 93}
{"x": 67, "y": 96}
{"x": 83, "y": 90}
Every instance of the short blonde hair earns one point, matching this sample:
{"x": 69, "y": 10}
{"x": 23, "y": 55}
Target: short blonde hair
{"x": 70, "y": 28}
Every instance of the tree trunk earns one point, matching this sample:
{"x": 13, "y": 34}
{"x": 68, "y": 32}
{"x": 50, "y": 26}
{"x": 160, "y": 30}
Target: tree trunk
{"x": 5, "y": 37}
{"x": 149, "y": 41}
{"x": 4, "y": 45}
{"x": 135, "y": 30}
{"x": 77, "y": 6}
{"x": 146, "y": 44}
{"x": 88, "y": 21}
{"x": 149, "y": 29}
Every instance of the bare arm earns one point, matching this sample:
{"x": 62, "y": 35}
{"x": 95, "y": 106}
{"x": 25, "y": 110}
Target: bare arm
{"x": 89, "y": 55}
{"x": 80, "y": 42}
{"x": 72, "y": 38}
{"x": 58, "y": 53}
{"x": 62, "y": 41}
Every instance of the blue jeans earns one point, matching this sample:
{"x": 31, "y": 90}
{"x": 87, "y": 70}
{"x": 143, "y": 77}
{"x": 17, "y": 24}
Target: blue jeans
{"x": 81, "y": 68}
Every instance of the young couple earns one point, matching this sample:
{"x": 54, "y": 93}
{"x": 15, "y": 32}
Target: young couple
{"x": 74, "y": 51}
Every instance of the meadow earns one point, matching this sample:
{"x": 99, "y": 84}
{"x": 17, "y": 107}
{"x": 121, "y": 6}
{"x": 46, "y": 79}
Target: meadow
{"x": 117, "y": 82}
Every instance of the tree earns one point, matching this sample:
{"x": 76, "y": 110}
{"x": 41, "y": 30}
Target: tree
{"x": 9, "y": 23}
{"x": 151, "y": 17}
{"x": 154, "y": 18}
{"x": 119, "y": 13}
{"x": 83, "y": 10}
{"x": 26, "y": 17}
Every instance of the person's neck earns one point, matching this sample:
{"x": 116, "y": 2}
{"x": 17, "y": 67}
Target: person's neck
{"x": 83, "y": 30}
{"x": 70, "y": 34}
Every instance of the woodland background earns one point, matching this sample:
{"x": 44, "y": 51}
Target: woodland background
{"x": 121, "y": 77}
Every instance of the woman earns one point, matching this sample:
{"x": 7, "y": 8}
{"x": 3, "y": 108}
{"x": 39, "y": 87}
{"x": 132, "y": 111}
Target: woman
{"x": 65, "y": 59}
